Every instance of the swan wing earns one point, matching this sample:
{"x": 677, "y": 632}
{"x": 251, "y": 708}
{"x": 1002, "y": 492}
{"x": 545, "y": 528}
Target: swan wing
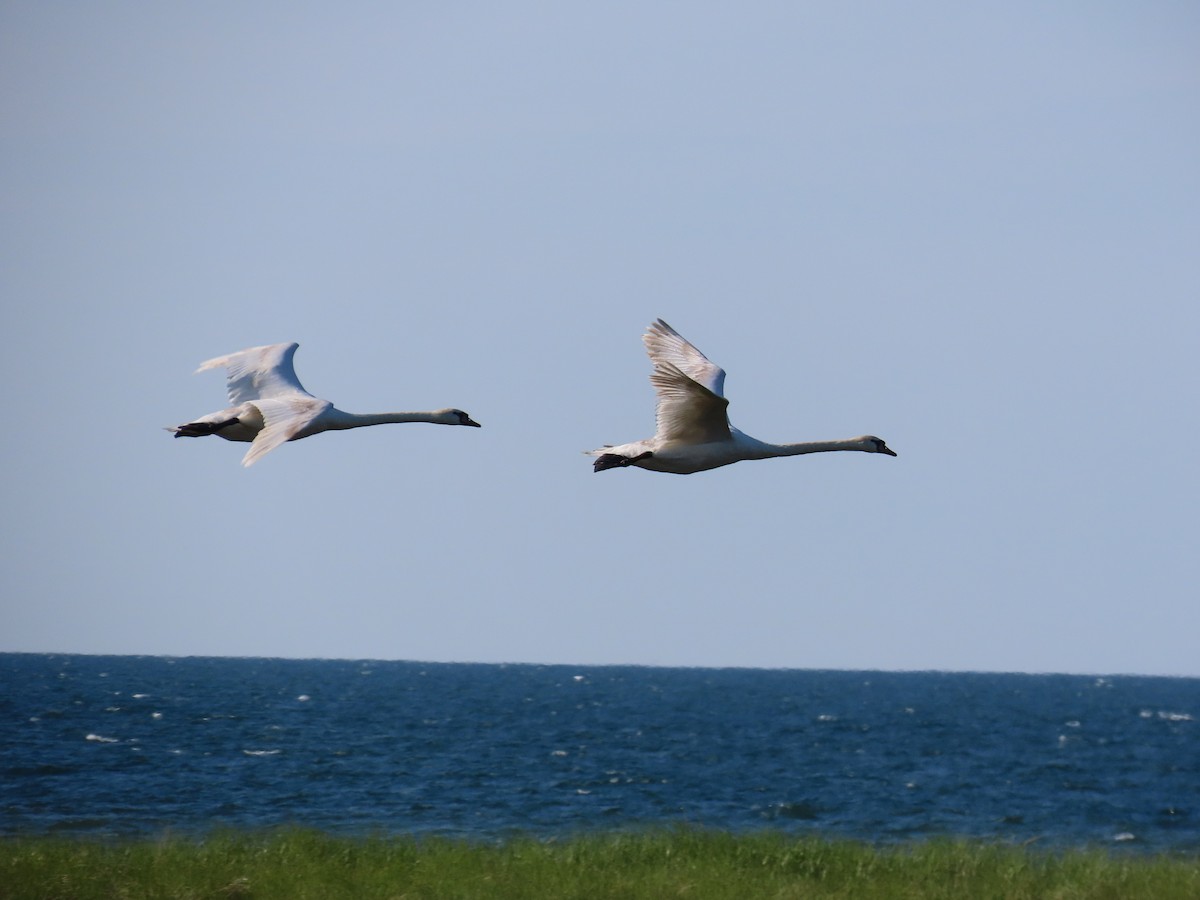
{"x": 688, "y": 412}
{"x": 283, "y": 420}
{"x": 259, "y": 373}
{"x": 666, "y": 345}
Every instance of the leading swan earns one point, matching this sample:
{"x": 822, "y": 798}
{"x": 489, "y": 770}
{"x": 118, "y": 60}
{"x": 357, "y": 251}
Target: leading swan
{"x": 271, "y": 407}
{"x": 694, "y": 433}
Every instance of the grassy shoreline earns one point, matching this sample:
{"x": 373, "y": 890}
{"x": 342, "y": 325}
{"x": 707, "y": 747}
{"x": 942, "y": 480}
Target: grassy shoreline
{"x": 299, "y": 864}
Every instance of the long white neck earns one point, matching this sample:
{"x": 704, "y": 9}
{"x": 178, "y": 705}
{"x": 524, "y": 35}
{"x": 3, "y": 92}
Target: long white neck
{"x": 338, "y": 419}
{"x": 816, "y": 447}
{"x": 762, "y": 450}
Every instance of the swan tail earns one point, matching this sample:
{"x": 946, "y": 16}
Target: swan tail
{"x": 616, "y": 461}
{"x": 201, "y": 429}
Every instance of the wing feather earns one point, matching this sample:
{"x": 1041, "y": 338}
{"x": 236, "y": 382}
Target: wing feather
{"x": 259, "y": 373}
{"x": 687, "y": 411}
{"x": 283, "y": 420}
{"x": 666, "y": 345}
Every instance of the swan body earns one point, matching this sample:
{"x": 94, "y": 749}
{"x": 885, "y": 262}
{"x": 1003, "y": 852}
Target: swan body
{"x": 270, "y": 407}
{"x": 693, "y": 432}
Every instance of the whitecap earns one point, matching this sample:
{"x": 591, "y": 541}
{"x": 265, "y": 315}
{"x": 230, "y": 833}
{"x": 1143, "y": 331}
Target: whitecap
{"x": 260, "y": 752}
{"x": 99, "y": 738}
{"x": 139, "y": 696}
{"x": 1174, "y": 717}
{"x": 304, "y": 698}
{"x": 1125, "y": 836}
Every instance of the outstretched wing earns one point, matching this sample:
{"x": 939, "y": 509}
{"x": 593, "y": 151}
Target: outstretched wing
{"x": 283, "y": 419}
{"x": 691, "y": 405}
{"x": 666, "y": 345}
{"x": 259, "y": 373}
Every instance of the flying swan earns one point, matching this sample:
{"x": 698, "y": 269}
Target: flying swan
{"x": 694, "y": 433}
{"x": 270, "y": 406}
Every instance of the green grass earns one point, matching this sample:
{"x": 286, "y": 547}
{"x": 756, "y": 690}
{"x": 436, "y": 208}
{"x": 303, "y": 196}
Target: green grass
{"x": 298, "y": 864}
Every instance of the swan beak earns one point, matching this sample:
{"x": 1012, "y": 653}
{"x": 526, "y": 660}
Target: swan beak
{"x": 474, "y": 424}
{"x": 888, "y": 450}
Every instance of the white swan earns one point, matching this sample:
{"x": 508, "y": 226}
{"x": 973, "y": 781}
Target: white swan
{"x": 271, "y": 407}
{"x": 694, "y": 433}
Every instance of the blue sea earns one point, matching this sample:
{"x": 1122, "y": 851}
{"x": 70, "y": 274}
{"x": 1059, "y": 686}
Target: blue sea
{"x": 142, "y": 746}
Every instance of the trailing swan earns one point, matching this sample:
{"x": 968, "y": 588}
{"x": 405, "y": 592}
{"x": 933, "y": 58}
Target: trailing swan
{"x": 694, "y": 433}
{"x": 271, "y": 407}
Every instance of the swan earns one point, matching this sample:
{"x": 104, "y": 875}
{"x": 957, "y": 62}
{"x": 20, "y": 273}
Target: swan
{"x": 271, "y": 407}
{"x": 694, "y": 433}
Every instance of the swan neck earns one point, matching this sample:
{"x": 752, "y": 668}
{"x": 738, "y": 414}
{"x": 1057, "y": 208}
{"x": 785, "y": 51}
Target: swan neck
{"x": 812, "y": 447}
{"x": 361, "y": 420}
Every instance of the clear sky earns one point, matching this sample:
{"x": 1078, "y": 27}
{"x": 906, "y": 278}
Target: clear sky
{"x": 970, "y": 229}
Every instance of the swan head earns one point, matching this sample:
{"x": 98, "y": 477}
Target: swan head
{"x": 868, "y": 443}
{"x": 455, "y": 417}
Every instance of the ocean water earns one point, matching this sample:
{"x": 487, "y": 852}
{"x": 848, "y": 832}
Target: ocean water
{"x": 139, "y": 746}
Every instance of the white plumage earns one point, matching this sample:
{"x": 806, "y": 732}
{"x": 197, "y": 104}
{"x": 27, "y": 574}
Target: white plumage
{"x": 693, "y": 432}
{"x": 269, "y": 406}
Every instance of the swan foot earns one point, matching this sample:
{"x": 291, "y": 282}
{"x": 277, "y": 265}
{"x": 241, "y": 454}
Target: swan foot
{"x": 200, "y": 429}
{"x": 616, "y": 461}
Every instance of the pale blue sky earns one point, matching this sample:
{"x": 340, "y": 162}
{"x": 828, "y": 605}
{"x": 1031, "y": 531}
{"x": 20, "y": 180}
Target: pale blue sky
{"x": 971, "y": 229}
